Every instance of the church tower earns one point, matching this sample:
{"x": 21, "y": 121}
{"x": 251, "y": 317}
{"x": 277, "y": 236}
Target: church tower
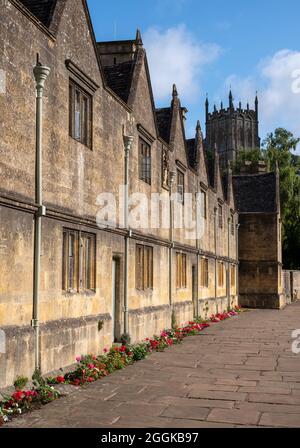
{"x": 231, "y": 129}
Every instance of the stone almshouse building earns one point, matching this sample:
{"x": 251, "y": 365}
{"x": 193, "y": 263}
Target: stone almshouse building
{"x": 96, "y": 94}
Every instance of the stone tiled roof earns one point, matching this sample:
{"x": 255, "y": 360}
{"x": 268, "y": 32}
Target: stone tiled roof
{"x": 255, "y": 193}
{"x": 41, "y": 9}
{"x": 163, "y": 118}
{"x": 118, "y": 78}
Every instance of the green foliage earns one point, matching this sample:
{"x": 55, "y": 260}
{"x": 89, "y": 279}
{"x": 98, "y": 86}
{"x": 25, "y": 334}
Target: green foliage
{"x": 48, "y": 394}
{"x": 20, "y": 382}
{"x": 279, "y": 148}
{"x": 45, "y": 392}
{"x": 139, "y": 351}
{"x": 38, "y": 380}
{"x": 125, "y": 339}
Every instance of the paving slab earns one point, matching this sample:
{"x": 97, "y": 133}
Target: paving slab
{"x": 238, "y": 373}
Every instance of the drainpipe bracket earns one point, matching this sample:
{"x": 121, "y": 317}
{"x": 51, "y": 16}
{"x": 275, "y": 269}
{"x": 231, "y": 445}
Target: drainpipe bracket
{"x": 35, "y": 323}
{"x": 42, "y": 211}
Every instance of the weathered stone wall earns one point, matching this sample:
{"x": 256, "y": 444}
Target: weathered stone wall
{"x": 260, "y": 266}
{"x": 291, "y": 284}
{"x": 73, "y": 177}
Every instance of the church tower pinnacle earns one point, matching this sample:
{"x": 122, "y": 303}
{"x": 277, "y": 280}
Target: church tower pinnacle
{"x": 231, "y": 130}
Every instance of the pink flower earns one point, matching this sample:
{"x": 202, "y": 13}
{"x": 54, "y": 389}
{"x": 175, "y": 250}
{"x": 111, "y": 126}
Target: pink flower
{"x": 78, "y": 359}
{"x": 105, "y": 350}
{"x": 91, "y": 366}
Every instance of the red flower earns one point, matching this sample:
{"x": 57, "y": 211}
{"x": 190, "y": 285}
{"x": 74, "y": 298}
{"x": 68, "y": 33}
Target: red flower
{"x": 17, "y": 396}
{"x": 60, "y": 379}
{"x": 90, "y": 379}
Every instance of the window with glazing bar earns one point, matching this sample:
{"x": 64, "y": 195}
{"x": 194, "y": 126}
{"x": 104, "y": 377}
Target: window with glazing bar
{"x": 144, "y": 267}
{"x": 80, "y": 115}
{"x": 144, "y": 161}
{"x": 204, "y": 273}
{"x": 79, "y": 261}
{"x": 180, "y": 186}
{"x": 180, "y": 271}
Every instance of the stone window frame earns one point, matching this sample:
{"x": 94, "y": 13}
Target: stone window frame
{"x": 145, "y": 160}
{"x": 181, "y": 270}
{"x": 203, "y": 193}
{"x": 144, "y": 260}
{"x": 180, "y": 186}
{"x": 220, "y": 274}
{"x": 220, "y": 216}
{"x": 85, "y": 111}
{"x": 80, "y": 81}
{"x": 82, "y": 277}
{"x": 204, "y": 268}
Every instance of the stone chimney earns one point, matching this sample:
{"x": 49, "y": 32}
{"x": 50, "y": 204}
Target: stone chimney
{"x": 250, "y": 167}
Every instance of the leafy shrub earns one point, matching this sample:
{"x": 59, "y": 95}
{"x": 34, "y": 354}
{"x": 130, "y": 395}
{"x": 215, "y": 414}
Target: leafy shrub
{"x": 20, "y": 382}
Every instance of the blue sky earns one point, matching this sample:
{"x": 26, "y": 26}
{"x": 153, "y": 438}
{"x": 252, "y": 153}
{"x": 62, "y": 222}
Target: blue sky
{"x": 207, "y": 46}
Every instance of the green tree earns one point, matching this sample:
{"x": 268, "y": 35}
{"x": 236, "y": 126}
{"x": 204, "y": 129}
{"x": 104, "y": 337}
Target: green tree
{"x": 279, "y": 147}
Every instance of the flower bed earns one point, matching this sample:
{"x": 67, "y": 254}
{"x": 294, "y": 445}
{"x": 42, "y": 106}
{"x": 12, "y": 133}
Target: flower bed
{"x": 91, "y": 368}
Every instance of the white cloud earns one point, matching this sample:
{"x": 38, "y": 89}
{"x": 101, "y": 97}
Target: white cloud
{"x": 277, "y": 79}
{"x": 175, "y": 57}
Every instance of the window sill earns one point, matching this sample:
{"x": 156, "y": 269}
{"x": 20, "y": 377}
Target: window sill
{"x": 145, "y": 182}
{"x": 81, "y": 143}
{"x": 145, "y": 292}
{"x": 72, "y": 293}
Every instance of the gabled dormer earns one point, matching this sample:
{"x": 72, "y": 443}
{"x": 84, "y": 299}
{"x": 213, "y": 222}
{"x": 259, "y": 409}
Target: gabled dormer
{"x": 217, "y": 180}
{"x": 228, "y": 187}
{"x": 126, "y": 72}
{"x": 197, "y": 156}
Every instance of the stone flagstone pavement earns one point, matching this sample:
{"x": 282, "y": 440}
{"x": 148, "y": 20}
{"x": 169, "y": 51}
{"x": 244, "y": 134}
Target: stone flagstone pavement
{"x": 240, "y": 372}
